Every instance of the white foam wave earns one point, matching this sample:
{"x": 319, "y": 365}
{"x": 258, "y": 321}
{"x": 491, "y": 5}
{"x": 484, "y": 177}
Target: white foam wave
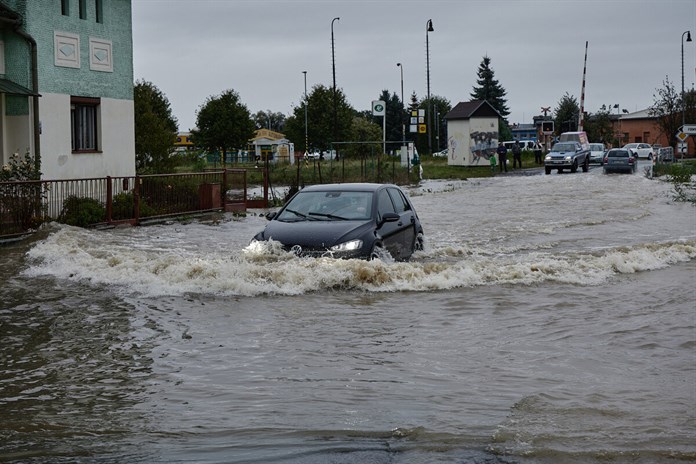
{"x": 81, "y": 255}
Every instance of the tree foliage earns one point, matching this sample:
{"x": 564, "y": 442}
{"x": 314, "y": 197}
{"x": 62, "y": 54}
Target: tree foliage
{"x": 667, "y": 108}
{"x": 489, "y": 89}
{"x": 320, "y": 119}
{"x": 155, "y": 128}
{"x": 224, "y": 124}
{"x": 441, "y": 106}
{"x": 269, "y": 120}
{"x": 566, "y": 114}
{"x": 599, "y": 127}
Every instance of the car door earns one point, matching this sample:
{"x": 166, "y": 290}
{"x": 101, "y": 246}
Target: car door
{"x": 397, "y": 236}
{"x": 407, "y": 232}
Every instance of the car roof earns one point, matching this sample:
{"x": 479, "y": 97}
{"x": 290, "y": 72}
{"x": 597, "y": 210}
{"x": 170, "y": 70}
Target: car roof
{"x": 352, "y": 187}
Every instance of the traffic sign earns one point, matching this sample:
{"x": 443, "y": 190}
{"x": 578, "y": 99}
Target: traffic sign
{"x": 683, "y": 147}
{"x": 682, "y": 136}
{"x": 689, "y": 129}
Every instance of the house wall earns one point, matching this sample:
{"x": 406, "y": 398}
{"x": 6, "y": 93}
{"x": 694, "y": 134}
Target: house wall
{"x": 471, "y": 141}
{"x": 115, "y": 158}
{"x": 85, "y": 58}
{"x": 636, "y": 130}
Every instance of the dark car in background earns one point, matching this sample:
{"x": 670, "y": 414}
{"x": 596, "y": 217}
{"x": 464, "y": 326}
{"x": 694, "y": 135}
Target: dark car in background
{"x": 360, "y": 220}
{"x": 621, "y": 160}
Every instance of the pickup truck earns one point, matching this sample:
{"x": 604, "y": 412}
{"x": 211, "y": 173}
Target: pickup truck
{"x": 567, "y": 155}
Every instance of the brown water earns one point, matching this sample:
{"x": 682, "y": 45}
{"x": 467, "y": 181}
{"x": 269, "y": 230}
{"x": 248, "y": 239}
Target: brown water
{"x": 550, "y": 319}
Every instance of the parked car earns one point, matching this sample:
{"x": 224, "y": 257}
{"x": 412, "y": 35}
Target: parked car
{"x": 597, "y": 153}
{"x": 347, "y": 221}
{"x": 641, "y": 150}
{"x": 620, "y": 159}
{"x": 570, "y": 155}
{"x": 442, "y": 153}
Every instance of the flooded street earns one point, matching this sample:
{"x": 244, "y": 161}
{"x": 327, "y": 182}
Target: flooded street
{"x": 549, "y": 319}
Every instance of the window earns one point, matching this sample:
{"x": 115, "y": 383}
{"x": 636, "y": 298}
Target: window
{"x": 84, "y": 117}
{"x": 99, "y": 7}
{"x": 83, "y": 9}
{"x": 65, "y": 7}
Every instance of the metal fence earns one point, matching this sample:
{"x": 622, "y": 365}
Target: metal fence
{"x": 24, "y": 205}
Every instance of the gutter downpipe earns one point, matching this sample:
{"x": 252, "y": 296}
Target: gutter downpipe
{"x": 16, "y": 23}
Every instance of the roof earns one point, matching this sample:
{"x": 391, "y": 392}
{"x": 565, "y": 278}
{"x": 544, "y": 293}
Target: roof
{"x": 11, "y": 88}
{"x": 642, "y": 114}
{"x": 473, "y": 109}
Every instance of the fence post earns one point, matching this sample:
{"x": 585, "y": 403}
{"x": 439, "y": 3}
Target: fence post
{"x": 109, "y": 199}
{"x": 136, "y": 199}
{"x": 223, "y": 190}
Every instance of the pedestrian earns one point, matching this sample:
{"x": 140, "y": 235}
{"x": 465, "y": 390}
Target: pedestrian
{"x": 502, "y": 156}
{"x": 516, "y": 154}
{"x": 491, "y": 159}
{"x": 537, "y": 153}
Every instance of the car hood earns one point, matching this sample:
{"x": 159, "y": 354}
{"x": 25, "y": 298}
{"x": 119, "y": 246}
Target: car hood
{"x": 315, "y": 234}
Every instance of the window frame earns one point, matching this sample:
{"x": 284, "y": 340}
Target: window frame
{"x": 85, "y": 125}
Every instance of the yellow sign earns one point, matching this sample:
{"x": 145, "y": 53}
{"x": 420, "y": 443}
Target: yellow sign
{"x": 422, "y": 128}
{"x": 682, "y": 136}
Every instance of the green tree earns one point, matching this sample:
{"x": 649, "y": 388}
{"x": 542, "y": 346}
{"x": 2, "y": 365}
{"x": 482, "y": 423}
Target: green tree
{"x": 441, "y": 106}
{"x": 566, "y": 114}
{"x": 224, "y": 124}
{"x": 599, "y": 127}
{"x": 320, "y": 118}
{"x": 363, "y": 129}
{"x": 269, "y": 120}
{"x": 155, "y": 129}
{"x": 489, "y": 89}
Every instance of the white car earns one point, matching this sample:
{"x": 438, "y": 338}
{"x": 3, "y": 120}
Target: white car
{"x": 442, "y": 153}
{"x": 641, "y": 150}
{"x": 597, "y": 153}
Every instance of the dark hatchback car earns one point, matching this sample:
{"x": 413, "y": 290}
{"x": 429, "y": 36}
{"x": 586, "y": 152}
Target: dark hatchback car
{"x": 620, "y": 159}
{"x": 347, "y": 221}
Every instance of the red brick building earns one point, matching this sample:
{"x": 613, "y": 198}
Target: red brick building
{"x": 641, "y": 127}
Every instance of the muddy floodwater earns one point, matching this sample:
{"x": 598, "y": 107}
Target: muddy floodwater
{"x": 550, "y": 319}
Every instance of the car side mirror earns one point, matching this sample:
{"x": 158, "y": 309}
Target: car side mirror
{"x": 389, "y": 217}
{"x": 270, "y": 216}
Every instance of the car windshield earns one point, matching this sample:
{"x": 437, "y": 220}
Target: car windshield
{"x": 617, "y": 154}
{"x": 564, "y": 147}
{"x": 596, "y": 147}
{"x": 631, "y": 145}
{"x": 330, "y": 205}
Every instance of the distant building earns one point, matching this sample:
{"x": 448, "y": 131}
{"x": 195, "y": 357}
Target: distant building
{"x": 66, "y": 86}
{"x": 524, "y": 132}
{"x": 472, "y": 133}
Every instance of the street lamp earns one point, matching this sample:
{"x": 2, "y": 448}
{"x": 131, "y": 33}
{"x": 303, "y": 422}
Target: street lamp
{"x": 688, "y": 39}
{"x": 306, "y": 137}
{"x": 428, "y": 28}
{"x": 333, "y": 68}
{"x": 403, "y": 123}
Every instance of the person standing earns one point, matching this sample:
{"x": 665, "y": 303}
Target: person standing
{"x": 502, "y": 156}
{"x": 516, "y": 154}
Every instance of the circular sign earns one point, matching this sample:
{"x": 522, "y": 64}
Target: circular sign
{"x": 379, "y": 107}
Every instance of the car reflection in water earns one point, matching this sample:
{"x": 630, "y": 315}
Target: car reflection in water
{"x": 359, "y": 220}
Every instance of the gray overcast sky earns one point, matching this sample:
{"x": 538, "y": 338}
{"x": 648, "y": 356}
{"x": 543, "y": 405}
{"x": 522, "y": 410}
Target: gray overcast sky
{"x": 194, "y": 49}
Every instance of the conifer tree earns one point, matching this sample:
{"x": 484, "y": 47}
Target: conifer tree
{"x": 489, "y": 88}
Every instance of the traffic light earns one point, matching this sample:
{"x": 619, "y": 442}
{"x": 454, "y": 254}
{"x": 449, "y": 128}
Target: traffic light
{"x": 547, "y": 127}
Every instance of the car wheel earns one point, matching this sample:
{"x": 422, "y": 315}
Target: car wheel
{"x": 418, "y": 245}
{"x": 586, "y": 165}
{"x": 378, "y": 252}
{"x": 574, "y": 167}
{"x": 548, "y": 171}
{"x": 560, "y": 170}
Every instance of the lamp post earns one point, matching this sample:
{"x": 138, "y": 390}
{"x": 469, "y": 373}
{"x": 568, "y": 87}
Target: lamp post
{"x": 403, "y": 123}
{"x": 306, "y": 137}
{"x": 428, "y": 28}
{"x": 333, "y": 68}
{"x": 688, "y": 39}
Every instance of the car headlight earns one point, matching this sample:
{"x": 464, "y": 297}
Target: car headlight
{"x": 568, "y": 158}
{"x": 548, "y": 157}
{"x": 351, "y": 245}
